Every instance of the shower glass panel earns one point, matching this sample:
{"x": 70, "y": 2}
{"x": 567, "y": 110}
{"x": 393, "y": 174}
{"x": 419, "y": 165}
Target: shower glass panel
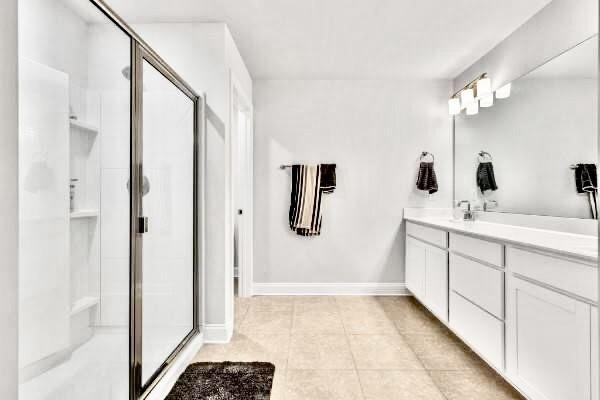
{"x": 168, "y": 203}
{"x": 74, "y": 164}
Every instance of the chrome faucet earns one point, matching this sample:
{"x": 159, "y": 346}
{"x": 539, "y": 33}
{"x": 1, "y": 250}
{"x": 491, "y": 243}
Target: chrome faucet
{"x": 467, "y": 214}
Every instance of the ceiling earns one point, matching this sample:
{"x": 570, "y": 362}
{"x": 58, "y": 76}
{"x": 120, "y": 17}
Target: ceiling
{"x": 343, "y": 39}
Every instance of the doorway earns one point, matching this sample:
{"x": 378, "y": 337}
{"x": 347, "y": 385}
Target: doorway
{"x": 242, "y": 167}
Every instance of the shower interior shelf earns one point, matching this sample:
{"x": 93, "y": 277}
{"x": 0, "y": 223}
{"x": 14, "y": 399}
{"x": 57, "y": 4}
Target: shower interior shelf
{"x": 83, "y": 125}
{"x": 92, "y": 213}
{"x": 84, "y": 303}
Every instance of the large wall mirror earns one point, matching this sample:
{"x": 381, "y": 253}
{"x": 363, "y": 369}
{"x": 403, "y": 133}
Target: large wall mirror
{"x": 540, "y": 140}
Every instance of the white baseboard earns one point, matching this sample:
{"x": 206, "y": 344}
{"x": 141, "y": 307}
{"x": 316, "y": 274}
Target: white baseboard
{"x": 164, "y": 386}
{"x": 217, "y": 333}
{"x": 316, "y": 289}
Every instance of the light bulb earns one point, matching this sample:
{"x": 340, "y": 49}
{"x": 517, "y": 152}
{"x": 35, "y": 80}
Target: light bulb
{"x": 473, "y": 108}
{"x": 454, "y": 106}
{"x": 467, "y": 97}
{"x": 487, "y": 100}
{"x": 503, "y": 92}
{"x": 484, "y": 87}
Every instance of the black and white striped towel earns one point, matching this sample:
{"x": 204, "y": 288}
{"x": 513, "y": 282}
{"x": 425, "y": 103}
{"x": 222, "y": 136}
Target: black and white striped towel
{"x": 309, "y": 182}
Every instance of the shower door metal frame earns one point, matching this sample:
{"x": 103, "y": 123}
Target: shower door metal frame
{"x": 139, "y": 56}
{"x": 141, "y": 51}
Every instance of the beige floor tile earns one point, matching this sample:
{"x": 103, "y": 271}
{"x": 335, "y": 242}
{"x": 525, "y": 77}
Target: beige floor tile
{"x": 315, "y": 303}
{"x": 383, "y": 352}
{"x": 242, "y": 305}
{"x": 278, "y": 389}
{"x": 473, "y": 385}
{"x": 412, "y": 318}
{"x": 398, "y": 385}
{"x": 272, "y": 303}
{"x": 367, "y": 322}
{"x": 272, "y": 348}
{"x": 322, "y": 385}
{"x": 443, "y": 352}
{"x": 319, "y": 351}
{"x": 316, "y": 321}
{"x": 359, "y": 304}
{"x": 262, "y": 321}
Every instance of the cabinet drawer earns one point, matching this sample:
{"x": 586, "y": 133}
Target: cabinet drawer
{"x": 431, "y": 235}
{"x": 572, "y": 277}
{"x": 477, "y": 248}
{"x": 481, "y": 284}
{"x": 480, "y": 330}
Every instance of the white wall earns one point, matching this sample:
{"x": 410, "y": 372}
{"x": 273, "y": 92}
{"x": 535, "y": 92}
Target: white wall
{"x": 8, "y": 200}
{"x": 534, "y": 136}
{"x": 374, "y": 131}
{"x": 557, "y": 27}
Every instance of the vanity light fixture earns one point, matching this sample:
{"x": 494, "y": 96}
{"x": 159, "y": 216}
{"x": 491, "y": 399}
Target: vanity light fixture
{"x": 474, "y": 94}
{"x": 487, "y": 100}
{"x": 484, "y": 87}
{"x": 473, "y": 108}
{"x": 503, "y": 92}
{"x": 454, "y": 106}
{"x": 467, "y": 97}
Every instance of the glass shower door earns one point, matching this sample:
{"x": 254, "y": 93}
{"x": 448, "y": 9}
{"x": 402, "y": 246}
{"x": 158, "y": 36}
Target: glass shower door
{"x": 168, "y": 214}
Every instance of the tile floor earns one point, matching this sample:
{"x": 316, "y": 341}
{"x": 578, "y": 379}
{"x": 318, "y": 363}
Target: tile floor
{"x": 369, "y": 348}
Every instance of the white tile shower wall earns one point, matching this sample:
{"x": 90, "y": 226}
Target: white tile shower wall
{"x": 105, "y": 78}
{"x": 374, "y": 131}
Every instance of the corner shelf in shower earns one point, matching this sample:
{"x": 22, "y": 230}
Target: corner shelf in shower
{"x": 85, "y": 126}
{"x": 84, "y": 214}
{"x": 83, "y": 304}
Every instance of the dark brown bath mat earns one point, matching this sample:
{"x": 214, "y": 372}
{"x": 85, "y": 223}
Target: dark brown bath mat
{"x": 224, "y": 381}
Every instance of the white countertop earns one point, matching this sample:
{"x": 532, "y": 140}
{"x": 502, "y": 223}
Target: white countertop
{"x": 583, "y": 247}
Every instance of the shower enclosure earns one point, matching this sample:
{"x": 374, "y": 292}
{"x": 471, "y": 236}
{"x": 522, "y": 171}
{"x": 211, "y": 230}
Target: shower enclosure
{"x": 110, "y": 197}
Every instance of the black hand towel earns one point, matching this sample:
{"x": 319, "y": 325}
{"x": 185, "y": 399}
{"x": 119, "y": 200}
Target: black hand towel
{"x": 485, "y": 177}
{"x": 328, "y": 178}
{"x": 586, "y": 178}
{"x": 426, "y": 180}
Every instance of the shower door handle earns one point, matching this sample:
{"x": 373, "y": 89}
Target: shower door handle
{"x": 143, "y": 225}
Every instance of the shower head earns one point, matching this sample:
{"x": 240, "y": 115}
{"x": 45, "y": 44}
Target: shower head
{"x": 126, "y": 72}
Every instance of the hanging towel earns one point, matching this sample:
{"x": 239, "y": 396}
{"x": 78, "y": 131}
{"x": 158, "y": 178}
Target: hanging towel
{"x": 426, "y": 180}
{"x": 328, "y": 178}
{"x": 485, "y": 177}
{"x": 586, "y": 181}
{"x": 308, "y": 184}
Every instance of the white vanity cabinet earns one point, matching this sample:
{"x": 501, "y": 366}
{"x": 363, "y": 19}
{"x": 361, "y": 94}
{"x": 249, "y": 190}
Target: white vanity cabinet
{"x": 529, "y": 311}
{"x": 551, "y": 326}
{"x": 427, "y": 267}
{"x": 476, "y": 309}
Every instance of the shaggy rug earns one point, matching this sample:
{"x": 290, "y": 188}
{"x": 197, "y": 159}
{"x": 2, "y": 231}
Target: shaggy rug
{"x": 224, "y": 381}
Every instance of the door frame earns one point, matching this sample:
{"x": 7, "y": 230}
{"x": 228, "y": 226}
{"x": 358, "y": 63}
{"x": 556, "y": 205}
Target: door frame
{"x": 138, "y": 388}
{"x": 240, "y": 101}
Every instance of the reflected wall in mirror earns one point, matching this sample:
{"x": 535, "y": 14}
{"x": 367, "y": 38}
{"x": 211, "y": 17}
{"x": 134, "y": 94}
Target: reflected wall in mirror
{"x": 548, "y": 124}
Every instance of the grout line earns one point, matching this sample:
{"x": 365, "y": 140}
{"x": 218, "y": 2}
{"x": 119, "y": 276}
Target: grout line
{"x": 347, "y": 337}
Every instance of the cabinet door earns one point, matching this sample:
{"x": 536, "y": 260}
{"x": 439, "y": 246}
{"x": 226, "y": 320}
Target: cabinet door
{"x": 548, "y": 343}
{"x": 415, "y": 267}
{"x": 436, "y": 281}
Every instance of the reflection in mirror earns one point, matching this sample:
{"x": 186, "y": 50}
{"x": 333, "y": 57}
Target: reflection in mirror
{"x": 537, "y": 136}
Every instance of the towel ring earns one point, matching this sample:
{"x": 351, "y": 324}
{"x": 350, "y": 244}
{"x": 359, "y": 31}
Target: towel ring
{"x": 482, "y": 154}
{"x": 425, "y": 154}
